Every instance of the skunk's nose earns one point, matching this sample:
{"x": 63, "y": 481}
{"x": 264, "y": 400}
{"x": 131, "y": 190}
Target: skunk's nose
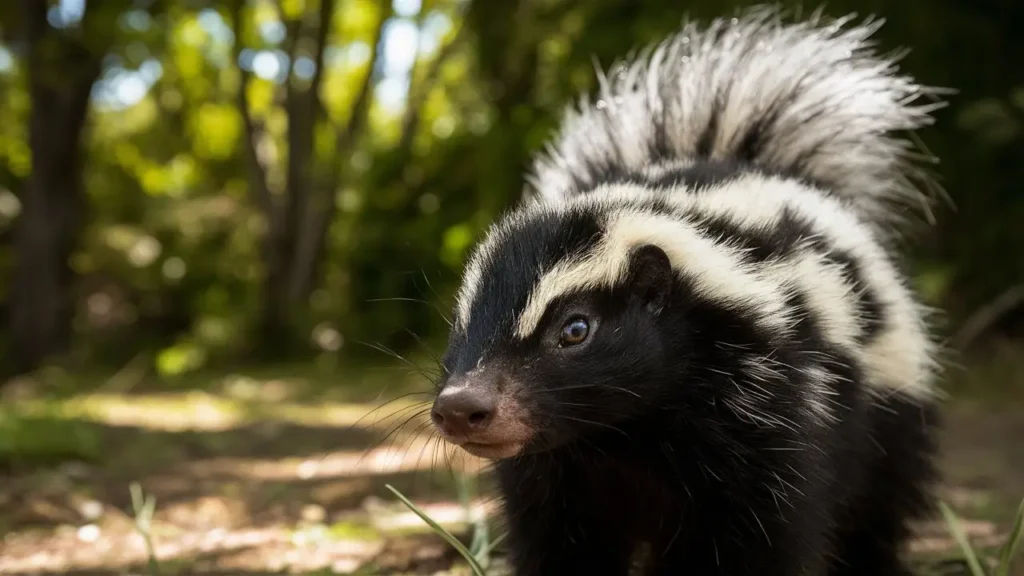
{"x": 461, "y": 410}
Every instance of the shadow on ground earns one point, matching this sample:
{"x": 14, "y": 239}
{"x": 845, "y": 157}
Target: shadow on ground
{"x": 260, "y": 488}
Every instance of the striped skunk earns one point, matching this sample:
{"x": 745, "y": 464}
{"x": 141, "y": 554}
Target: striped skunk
{"x": 691, "y": 348}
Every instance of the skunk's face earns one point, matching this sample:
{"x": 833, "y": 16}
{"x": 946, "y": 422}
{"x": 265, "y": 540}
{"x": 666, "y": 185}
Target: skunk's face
{"x": 540, "y": 355}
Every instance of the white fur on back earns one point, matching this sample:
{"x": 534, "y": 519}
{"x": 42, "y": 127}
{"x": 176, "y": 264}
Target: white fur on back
{"x": 825, "y": 106}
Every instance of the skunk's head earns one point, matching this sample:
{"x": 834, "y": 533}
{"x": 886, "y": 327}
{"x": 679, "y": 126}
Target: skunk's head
{"x": 561, "y": 331}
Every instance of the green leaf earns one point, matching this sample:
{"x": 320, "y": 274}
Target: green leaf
{"x": 1010, "y": 548}
{"x": 473, "y": 564}
{"x": 490, "y": 546}
{"x": 961, "y": 538}
{"x": 293, "y": 9}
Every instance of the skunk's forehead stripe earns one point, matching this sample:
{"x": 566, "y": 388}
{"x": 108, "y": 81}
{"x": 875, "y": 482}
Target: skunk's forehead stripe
{"x": 717, "y": 272}
{"x": 504, "y": 267}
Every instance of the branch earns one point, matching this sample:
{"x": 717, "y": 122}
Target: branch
{"x": 325, "y": 16}
{"x": 982, "y": 319}
{"x": 257, "y": 172}
{"x": 34, "y": 14}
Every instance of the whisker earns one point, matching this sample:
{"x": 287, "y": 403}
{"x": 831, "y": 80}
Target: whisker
{"x": 574, "y": 404}
{"x": 424, "y": 345}
{"x": 585, "y": 421}
{"x": 405, "y": 445}
{"x": 397, "y": 411}
{"x": 394, "y": 429}
{"x": 395, "y": 399}
{"x": 385, "y": 350}
{"x": 415, "y": 301}
{"x": 595, "y": 386}
{"x": 419, "y": 458}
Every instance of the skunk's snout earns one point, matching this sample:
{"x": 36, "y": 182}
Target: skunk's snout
{"x": 461, "y": 411}
{"x": 479, "y": 412}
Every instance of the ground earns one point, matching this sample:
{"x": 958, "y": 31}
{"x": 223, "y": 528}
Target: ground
{"x": 259, "y": 473}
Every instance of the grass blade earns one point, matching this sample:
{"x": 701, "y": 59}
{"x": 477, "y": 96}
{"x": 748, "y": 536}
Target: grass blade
{"x": 961, "y": 538}
{"x": 1010, "y": 548}
{"x": 479, "y": 546}
{"x": 488, "y": 547}
{"x": 144, "y": 507}
{"x": 473, "y": 564}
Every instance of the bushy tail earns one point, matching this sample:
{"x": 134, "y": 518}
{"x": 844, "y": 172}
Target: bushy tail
{"x": 810, "y": 99}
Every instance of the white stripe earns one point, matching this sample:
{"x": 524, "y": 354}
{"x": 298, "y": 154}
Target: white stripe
{"x": 817, "y": 91}
{"x": 717, "y": 273}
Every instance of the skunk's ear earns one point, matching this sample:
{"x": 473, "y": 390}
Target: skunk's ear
{"x": 650, "y": 276}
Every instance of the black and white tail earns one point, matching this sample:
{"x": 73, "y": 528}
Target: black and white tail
{"x": 810, "y": 99}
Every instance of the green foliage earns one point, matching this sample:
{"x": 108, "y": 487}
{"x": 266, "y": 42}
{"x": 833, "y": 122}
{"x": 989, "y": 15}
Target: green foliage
{"x": 173, "y": 256}
{"x": 45, "y": 438}
{"x": 978, "y": 564}
{"x": 1009, "y": 551}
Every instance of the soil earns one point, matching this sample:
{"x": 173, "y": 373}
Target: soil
{"x": 306, "y": 493}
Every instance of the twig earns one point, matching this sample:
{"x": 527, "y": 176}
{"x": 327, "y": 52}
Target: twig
{"x": 983, "y": 318}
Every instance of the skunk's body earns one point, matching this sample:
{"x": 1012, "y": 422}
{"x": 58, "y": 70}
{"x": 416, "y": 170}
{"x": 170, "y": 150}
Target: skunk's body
{"x": 693, "y": 338}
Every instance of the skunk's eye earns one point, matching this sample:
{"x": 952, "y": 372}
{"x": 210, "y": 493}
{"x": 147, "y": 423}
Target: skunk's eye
{"x": 574, "y": 332}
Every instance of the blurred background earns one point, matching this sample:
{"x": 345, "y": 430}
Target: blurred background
{"x": 231, "y": 231}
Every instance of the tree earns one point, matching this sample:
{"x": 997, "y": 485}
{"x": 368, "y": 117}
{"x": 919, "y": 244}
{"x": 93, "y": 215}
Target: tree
{"x": 61, "y": 70}
{"x": 297, "y": 218}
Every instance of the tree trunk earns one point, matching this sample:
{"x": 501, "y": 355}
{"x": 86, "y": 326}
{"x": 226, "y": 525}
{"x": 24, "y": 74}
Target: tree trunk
{"x": 61, "y": 75}
{"x": 276, "y": 331}
{"x": 298, "y": 219}
{"x": 285, "y": 213}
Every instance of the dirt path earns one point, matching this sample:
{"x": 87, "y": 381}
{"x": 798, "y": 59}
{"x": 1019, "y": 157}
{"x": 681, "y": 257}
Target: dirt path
{"x": 292, "y": 488}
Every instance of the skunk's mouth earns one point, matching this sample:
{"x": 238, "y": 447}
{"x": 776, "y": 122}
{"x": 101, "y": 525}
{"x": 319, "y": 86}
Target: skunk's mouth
{"x": 493, "y": 451}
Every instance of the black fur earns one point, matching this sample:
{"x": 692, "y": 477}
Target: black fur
{"x": 681, "y": 434}
{"x": 507, "y": 282}
{"x": 643, "y": 437}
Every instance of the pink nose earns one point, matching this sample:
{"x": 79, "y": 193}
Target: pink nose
{"x": 461, "y": 410}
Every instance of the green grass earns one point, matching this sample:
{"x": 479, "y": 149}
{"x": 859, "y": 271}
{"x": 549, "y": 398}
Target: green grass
{"x": 63, "y": 418}
{"x": 352, "y": 531}
{"x": 143, "y": 507}
{"x": 477, "y": 555}
{"x": 980, "y": 564}
{"x": 48, "y": 430}
{"x": 45, "y": 437}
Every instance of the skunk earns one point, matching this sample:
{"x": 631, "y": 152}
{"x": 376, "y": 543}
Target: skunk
{"x": 692, "y": 348}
